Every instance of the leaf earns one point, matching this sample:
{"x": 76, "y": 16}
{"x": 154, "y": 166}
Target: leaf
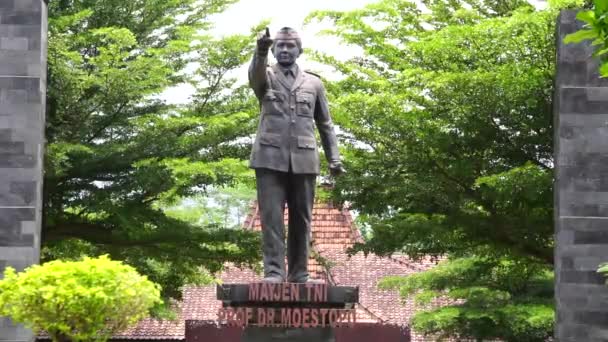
{"x": 604, "y": 69}
{"x": 601, "y": 6}
{"x": 601, "y": 52}
{"x": 586, "y": 16}
{"x": 580, "y": 36}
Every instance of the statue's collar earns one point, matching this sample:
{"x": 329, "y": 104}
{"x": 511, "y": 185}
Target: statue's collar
{"x": 292, "y": 69}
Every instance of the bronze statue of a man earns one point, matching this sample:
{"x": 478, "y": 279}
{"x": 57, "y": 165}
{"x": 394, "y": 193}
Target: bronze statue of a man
{"x": 285, "y": 154}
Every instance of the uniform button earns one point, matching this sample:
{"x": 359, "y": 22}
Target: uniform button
{"x": 293, "y": 121}
{"x": 293, "y": 107}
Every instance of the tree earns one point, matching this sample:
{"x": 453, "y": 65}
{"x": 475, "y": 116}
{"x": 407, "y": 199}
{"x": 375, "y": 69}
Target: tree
{"x": 117, "y": 155}
{"x": 447, "y": 120}
{"x": 225, "y": 207}
{"x": 86, "y": 300}
{"x": 596, "y": 30}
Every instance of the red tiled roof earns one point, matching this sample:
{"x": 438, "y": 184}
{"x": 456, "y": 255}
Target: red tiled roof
{"x": 154, "y": 329}
{"x": 332, "y": 233}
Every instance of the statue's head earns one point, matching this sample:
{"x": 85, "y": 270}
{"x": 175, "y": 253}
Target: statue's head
{"x": 287, "y": 46}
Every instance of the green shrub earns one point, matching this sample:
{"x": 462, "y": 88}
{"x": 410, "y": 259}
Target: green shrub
{"x": 86, "y": 300}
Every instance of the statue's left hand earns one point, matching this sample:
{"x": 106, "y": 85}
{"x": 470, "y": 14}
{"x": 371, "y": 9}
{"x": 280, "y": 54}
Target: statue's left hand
{"x": 336, "y": 168}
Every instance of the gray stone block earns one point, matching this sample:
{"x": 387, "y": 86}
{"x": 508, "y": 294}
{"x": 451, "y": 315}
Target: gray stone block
{"x": 584, "y": 209}
{"x": 583, "y": 224}
{"x": 14, "y": 43}
{"x": 583, "y": 173}
{"x": 569, "y": 290}
{"x": 6, "y": 323}
{"x": 592, "y": 238}
{"x": 18, "y": 253}
{"x": 5, "y": 135}
{"x": 577, "y": 301}
{"x": 574, "y": 73}
{"x": 29, "y": 6}
{"x": 597, "y": 303}
{"x": 7, "y": 4}
{"x": 18, "y": 191}
{"x": 29, "y": 227}
{"x": 34, "y": 44}
{"x": 598, "y": 334}
{"x": 13, "y": 68}
{"x": 567, "y": 263}
{"x": 17, "y": 161}
{"x": 583, "y": 139}
{"x": 591, "y": 317}
{"x": 25, "y": 190}
{"x": 34, "y": 70}
{"x": 29, "y": 31}
{"x": 12, "y": 147}
{"x": 587, "y": 263}
{"x": 14, "y": 113}
{"x": 586, "y": 197}
{"x": 22, "y": 84}
{"x": 581, "y": 277}
{"x": 578, "y": 101}
{"x": 13, "y": 96}
{"x": 572, "y": 332}
{"x": 19, "y": 63}
{"x": 20, "y": 18}
{"x": 565, "y": 235}
{"x": 572, "y": 250}
{"x": 10, "y": 227}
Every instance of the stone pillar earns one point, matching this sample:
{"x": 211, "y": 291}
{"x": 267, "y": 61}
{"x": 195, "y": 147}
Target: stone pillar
{"x": 581, "y": 190}
{"x": 23, "y": 36}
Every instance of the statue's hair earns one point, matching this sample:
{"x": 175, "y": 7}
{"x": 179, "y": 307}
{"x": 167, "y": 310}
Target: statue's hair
{"x": 289, "y": 31}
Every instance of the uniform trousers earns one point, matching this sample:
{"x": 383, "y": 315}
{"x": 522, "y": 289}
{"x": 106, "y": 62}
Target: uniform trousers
{"x": 274, "y": 190}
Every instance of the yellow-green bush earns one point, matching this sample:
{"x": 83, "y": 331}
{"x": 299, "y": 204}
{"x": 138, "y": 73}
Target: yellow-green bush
{"x": 86, "y": 300}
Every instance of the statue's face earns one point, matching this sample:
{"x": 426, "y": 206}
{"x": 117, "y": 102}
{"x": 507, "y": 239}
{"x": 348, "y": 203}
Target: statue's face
{"x": 286, "y": 51}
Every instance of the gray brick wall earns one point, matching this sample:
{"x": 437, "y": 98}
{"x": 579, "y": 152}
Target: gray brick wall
{"x": 22, "y": 102}
{"x": 581, "y": 190}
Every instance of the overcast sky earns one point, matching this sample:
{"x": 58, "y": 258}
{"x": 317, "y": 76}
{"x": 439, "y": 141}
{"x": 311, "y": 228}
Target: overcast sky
{"x": 240, "y": 17}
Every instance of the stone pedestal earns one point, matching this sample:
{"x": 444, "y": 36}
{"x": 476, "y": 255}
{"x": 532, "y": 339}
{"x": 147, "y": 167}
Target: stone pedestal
{"x": 290, "y": 294}
{"x": 262, "y": 312}
{"x": 288, "y": 312}
{"x": 266, "y": 312}
{"x": 23, "y": 36}
{"x": 581, "y": 190}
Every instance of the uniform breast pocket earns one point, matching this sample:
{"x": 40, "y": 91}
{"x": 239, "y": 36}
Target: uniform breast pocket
{"x": 272, "y": 102}
{"x": 305, "y": 103}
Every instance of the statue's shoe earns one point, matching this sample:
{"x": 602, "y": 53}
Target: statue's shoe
{"x": 273, "y": 279}
{"x": 306, "y": 280}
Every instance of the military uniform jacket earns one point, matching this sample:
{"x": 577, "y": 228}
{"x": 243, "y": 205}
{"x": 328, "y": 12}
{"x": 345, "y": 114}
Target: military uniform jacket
{"x": 285, "y": 135}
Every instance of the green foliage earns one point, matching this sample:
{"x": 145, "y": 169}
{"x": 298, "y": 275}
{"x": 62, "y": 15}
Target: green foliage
{"x": 86, "y": 300}
{"x": 117, "y": 156}
{"x": 603, "y": 268}
{"x": 505, "y": 298}
{"x": 447, "y": 127}
{"x": 596, "y": 30}
{"x": 226, "y": 207}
